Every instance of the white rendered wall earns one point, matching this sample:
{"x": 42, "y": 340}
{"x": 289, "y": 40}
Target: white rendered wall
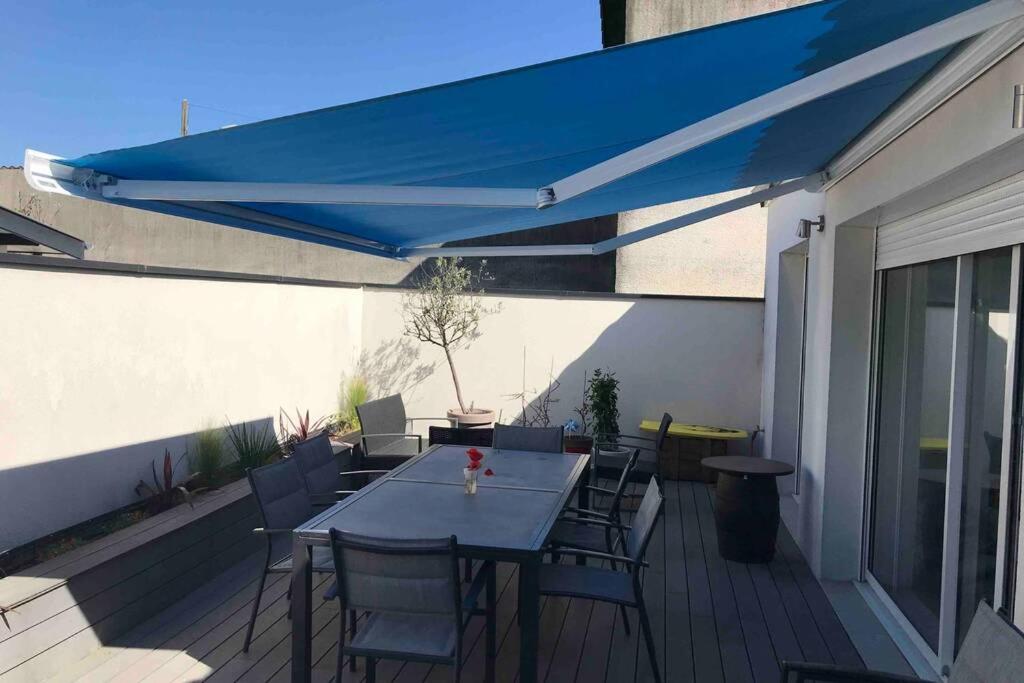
{"x": 101, "y": 373}
{"x": 700, "y": 360}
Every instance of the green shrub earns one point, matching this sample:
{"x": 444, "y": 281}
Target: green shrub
{"x": 603, "y": 396}
{"x": 208, "y": 455}
{"x": 252, "y": 446}
{"x": 353, "y": 392}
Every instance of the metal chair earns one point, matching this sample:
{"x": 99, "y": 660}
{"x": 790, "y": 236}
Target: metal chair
{"x": 284, "y": 503}
{"x": 992, "y": 652}
{"x": 386, "y": 440}
{"x": 538, "y": 439}
{"x": 609, "y": 466}
{"x": 410, "y": 588}
{"x": 328, "y": 478}
{"x": 593, "y": 530}
{"x": 610, "y": 585}
{"x": 459, "y": 436}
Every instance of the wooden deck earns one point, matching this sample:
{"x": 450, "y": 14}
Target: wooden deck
{"x": 713, "y": 620}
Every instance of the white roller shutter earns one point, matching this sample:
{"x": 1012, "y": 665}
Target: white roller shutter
{"x": 984, "y": 219}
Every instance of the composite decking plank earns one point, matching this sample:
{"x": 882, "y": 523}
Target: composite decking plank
{"x": 764, "y": 664}
{"x": 779, "y": 628}
{"x": 812, "y": 644}
{"x": 678, "y": 646}
{"x": 736, "y": 665}
{"x": 113, "y": 659}
{"x": 707, "y": 657}
{"x": 266, "y": 643}
{"x": 833, "y": 631}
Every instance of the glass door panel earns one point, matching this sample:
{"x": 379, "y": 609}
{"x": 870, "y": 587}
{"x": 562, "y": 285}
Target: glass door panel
{"x": 983, "y": 435}
{"x": 912, "y": 439}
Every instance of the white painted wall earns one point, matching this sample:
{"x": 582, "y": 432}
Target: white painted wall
{"x": 101, "y": 373}
{"x": 700, "y": 360}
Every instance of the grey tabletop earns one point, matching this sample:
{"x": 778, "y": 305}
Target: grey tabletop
{"x": 425, "y": 498}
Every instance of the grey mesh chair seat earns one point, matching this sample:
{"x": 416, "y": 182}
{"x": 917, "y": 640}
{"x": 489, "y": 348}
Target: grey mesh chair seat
{"x": 621, "y": 588}
{"x": 592, "y": 583}
{"x": 537, "y": 439}
{"x": 323, "y": 561}
{"x": 387, "y": 440}
{"x": 577, "y": 535}
{"x": 406, "y": 636}
{"x": 398, "y": 447}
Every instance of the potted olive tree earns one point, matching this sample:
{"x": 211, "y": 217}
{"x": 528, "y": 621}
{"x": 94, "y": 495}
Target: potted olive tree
{"x": 445, "y": 310}
{"x": 603, "y": 398}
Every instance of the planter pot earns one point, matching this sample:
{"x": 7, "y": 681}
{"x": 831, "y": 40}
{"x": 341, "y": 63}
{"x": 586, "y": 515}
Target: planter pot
{"x": 577, "y": 444}
{"x": 474, "y": 418}
{"x": 613, "y": 457}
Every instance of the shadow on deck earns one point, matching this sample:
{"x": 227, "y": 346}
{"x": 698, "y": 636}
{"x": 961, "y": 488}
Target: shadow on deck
{"x": 713, "y": 620}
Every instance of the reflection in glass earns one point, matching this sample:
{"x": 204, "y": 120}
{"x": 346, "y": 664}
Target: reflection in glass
{"x": 912, "y": 439}
{"x": 979, "y": 516}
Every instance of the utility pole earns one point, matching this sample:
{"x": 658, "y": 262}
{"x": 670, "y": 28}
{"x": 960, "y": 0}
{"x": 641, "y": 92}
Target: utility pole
{"x": 184, "y": 118}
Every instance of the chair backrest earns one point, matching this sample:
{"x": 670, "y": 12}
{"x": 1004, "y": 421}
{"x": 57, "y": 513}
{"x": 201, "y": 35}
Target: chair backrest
{"x": 659, "y": 440}
{"x": 615, "y": 507}
{"x": 319, "y": 466}
{"x": 460, "y": 436}
{"x": 538, "y": 439}
{"x": 644, "y": 521}
{"x": 398, "y": 576}
{"x": 383, "y": 415}
{"x": 992, "y": 651}
{"x": 283, "y": 500}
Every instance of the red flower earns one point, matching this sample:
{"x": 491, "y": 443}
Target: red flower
{"x": 473, "y": 466}
{"x": 475, "y": 455}
{"x": 488, "y": 472}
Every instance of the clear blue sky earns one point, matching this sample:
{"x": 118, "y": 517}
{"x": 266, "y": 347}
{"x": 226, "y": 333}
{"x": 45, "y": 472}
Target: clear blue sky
{"x": 79, "y": 77}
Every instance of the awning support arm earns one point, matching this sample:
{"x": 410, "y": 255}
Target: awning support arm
{"x": 810, "y": 183}
{"x": 854, "y": 70}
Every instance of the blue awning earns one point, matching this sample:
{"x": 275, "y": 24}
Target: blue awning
{"x": 529, "y": 127}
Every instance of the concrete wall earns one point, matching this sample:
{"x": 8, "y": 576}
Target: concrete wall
{"x": 698, "y": 359}
{"x": 720, "y": 257}
{"x": 103, "y": 372}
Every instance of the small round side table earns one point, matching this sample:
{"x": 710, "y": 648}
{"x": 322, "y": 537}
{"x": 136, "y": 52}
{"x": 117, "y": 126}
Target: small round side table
{"x": 747, "y": 506}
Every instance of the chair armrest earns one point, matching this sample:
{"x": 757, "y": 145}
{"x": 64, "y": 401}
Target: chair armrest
{"x": 269, "y": 532}
{"x": 598, "y": 556}
{"x": 354, "y": 472}
{"x": 598, "y": 489}
{"x": 588, "y": 513}
{"x": 596, "y": 522}
{"x": 796, "y": 672}
{"x": 394, "y": 434}
{"x": 428, "y": 419}
{"x": 637, "y": 437}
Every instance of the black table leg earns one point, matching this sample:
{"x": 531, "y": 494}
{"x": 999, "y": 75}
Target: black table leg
{"x": 302, "y": 615}
{"x": 491, "y": 639}
{"x": 529, "y": 618}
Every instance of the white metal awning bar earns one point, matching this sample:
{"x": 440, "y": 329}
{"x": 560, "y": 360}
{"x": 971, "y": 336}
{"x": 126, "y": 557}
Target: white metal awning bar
{"x": 888, "y": 56}
{"x": 810, "y": 183}
{"x": 319, "y": 193}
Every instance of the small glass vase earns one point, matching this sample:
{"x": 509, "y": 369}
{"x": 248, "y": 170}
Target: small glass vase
{"x": 471, "y": 476}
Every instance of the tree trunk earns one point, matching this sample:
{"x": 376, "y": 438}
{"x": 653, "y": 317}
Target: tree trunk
{"x": 455, "y": 379}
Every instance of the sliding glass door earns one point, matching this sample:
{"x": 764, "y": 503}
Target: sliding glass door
{"x": 944, "y": 331}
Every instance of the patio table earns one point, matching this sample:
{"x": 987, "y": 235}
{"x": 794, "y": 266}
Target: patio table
{"x": 508, "y": 520}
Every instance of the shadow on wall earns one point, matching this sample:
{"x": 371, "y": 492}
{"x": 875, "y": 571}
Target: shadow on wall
{"x": 394, "y": 367}
{"x": 57, "y": 494}
{"x": 699, "y": 360}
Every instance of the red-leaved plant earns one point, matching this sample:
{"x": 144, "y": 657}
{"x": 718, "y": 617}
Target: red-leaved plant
{"x": 160, "y": 496}
{"x": 299, "y": 429}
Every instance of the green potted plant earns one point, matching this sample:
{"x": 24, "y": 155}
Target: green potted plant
{"x": 577, "y": 438}
{"x": 445, "y": 310}
{"x": 603, "y": 397}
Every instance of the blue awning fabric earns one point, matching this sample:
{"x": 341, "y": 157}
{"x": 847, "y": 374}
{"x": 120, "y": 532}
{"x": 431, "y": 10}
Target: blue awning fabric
{"x": 531, "y": 126}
